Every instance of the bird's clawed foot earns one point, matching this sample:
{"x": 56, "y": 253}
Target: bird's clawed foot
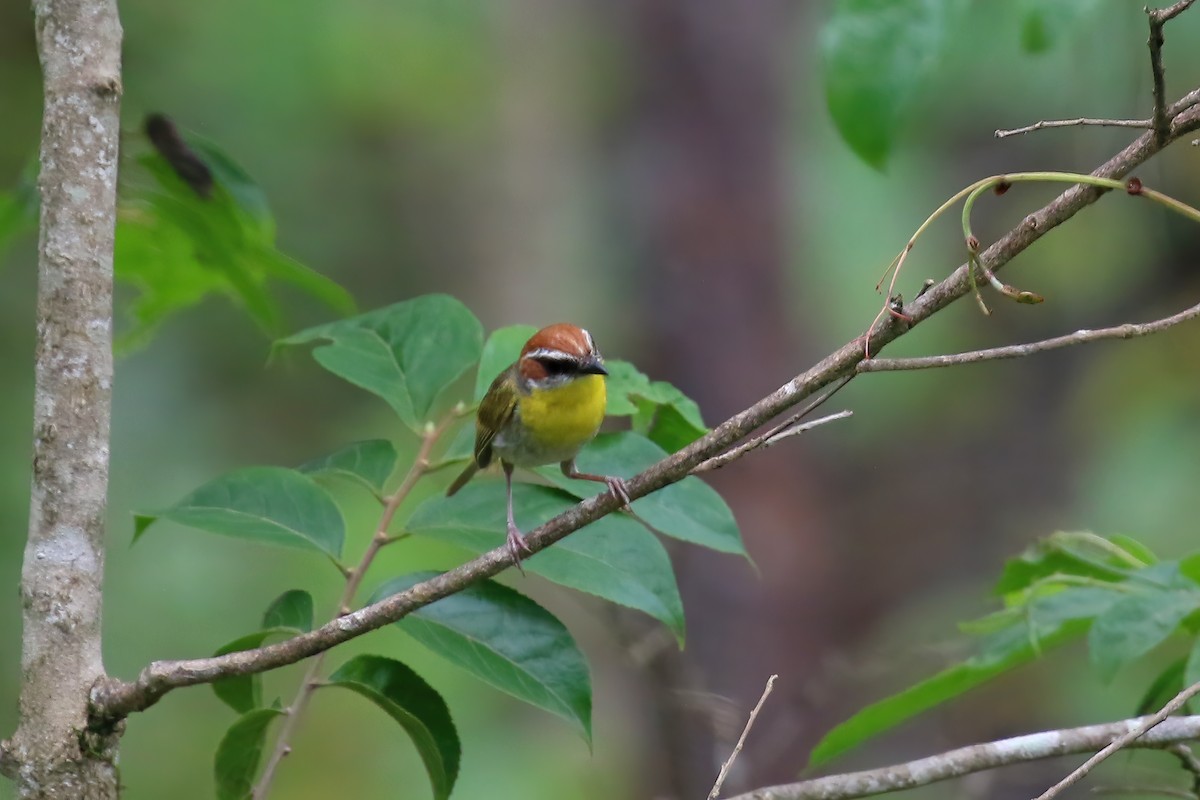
{"x": 516, "y": 546}
{"x": 618, "y": 488}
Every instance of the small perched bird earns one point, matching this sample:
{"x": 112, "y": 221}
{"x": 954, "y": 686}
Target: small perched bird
{"x": 541, "y": 409}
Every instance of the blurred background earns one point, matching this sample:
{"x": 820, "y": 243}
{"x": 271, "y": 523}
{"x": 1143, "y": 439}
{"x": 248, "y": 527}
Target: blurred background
{"x": 665, "y": 173}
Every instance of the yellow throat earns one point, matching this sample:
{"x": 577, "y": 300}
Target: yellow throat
{"x": 567, "y": 415}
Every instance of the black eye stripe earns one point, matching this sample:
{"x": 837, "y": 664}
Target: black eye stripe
{"x": 558, "y": 365}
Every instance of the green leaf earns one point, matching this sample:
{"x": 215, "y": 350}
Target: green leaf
{"x": 876, "y": 56}
{"x": 666, "y": 425}
{"x": 368, "y": 463}
{"x": 282, "y": 267}
{"x": 1134, "y": 548}
{"x": 613, "y": 558}
{"x": 249, "y": 199}
{"x": 1047, "y": 623}
{"x": 271, "y": 505}
{"x": 1189, "y": 568}
{"x": 413, "y": 703}
{"x": 1137, "y": 623}
{"x": 660, "y": 411}
{"x": 689, "y": 510}
{"x": 624, "y": 382}
{"x": 176, "y": 247}
{"x": 292, "y": 609}
{"x": 506, "y": 640}
{"x": 501, "y": 349}
{"x": 239, "y": 753}
{"x": 406, "y": 353}
{"x": 1079, "y": 554}
{"x": 243, "y": 693}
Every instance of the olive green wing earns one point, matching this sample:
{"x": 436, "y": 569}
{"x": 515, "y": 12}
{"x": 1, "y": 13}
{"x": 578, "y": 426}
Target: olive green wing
{"x": 495, "y": 410}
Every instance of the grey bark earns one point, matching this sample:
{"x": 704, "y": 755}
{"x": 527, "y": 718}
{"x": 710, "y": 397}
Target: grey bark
{"x": 53, "y": 754}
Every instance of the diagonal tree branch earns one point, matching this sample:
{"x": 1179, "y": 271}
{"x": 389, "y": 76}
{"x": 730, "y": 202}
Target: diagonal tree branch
{"x": 980, "y": 757}
{"x": 114, "y": 699}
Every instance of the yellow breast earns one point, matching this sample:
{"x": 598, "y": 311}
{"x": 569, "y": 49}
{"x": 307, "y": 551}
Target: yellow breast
{"x": 565, "y": 416}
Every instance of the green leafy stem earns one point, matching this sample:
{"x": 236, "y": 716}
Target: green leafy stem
{"x": 354, "y": 577}
{"x": 411, "y": 355}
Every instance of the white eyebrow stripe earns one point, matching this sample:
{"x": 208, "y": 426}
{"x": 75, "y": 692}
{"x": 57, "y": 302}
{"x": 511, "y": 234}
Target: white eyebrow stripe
{"x": 591, "y": 344}
{"x": 551, "y": 355}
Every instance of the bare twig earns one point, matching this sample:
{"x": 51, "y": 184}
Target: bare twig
{"x": 353, "y": 580}
{"x": 1158, "y": 19}
{"x": 1124, "y": 740}
{"x": 1004, "y": 133}
{"x": 980, "y": 757}
{"x": 796, "y": 430}
{"x": 766, "y": 440}
{"x": 737, "y": 749}
{"x": 114, "y": 699}
{"x": 776, "y": 432}
{"x": 1129, "y": 330}
{"x": 1160, "y": 119}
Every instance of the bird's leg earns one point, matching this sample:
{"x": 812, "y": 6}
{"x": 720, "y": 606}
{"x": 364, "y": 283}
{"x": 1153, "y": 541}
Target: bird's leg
{"x": 615, "y": 485}
{"x": 516, "y": 542}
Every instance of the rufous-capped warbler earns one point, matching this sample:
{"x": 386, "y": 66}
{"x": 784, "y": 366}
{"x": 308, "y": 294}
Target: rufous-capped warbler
{"x": 543, "y": 408}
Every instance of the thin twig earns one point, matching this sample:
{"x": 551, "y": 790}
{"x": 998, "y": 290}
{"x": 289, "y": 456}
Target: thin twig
{"x": 766, "y": 440}
{"x": 1129, "y": 330}
{"x": 737, "y": 749}
{"x": 1159, "y": 121}
{"x": 978, "y": 758}
{"x": 1003, "y": 133}
{"x": 807, "y": 426}
{"x": 353, "y": 580}
{"x": 1158, "y": 19}
{"x": 776, "y": 432}
{"x": 1173, "y": 705}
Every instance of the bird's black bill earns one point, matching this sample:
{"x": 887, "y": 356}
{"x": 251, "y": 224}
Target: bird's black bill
{"x": 592, "y": 367}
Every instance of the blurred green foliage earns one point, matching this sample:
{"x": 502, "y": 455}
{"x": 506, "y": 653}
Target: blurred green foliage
{"x": 1115, "y": 591}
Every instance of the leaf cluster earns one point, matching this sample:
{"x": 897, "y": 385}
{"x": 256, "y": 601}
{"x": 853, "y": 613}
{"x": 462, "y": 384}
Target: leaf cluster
{"x": 413, "y": 356}
{"x": 1112, "y": 592}
{"x": 191, "y": 223}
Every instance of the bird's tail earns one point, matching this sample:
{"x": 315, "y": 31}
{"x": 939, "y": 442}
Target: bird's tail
{"x": 462, "y": 479}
